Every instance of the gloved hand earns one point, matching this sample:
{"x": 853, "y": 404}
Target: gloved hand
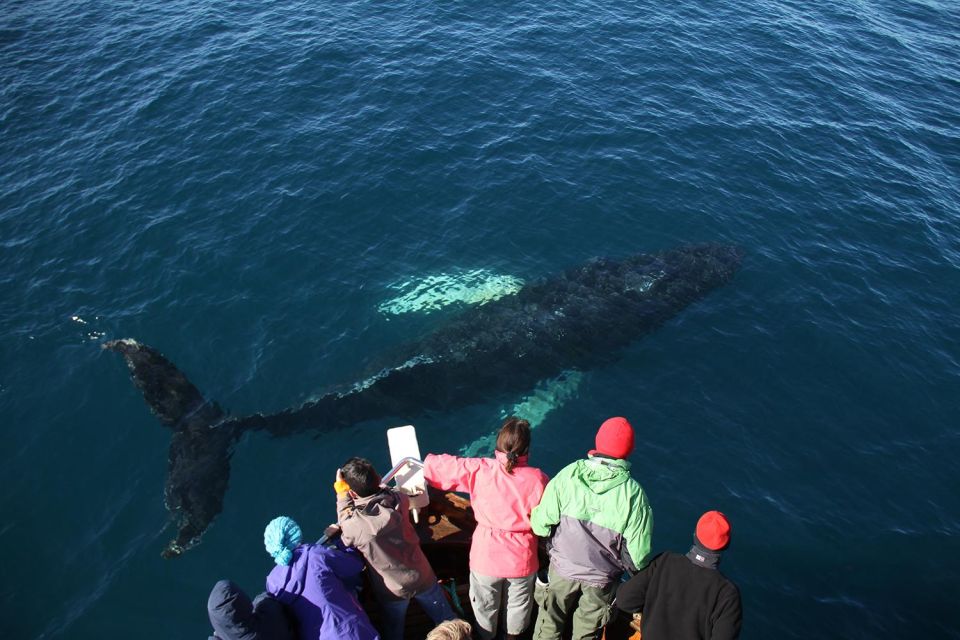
{"x": 340, "y": 486}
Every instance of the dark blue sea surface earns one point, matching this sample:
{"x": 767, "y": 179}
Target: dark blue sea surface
{"x": 243, "y": 186}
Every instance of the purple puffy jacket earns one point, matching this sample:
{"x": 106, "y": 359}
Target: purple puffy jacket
{"x": 313, "y": 588}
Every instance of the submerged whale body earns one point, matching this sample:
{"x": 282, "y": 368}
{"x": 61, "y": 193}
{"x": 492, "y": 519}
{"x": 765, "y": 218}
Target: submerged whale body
{"x": 576, "y": 320}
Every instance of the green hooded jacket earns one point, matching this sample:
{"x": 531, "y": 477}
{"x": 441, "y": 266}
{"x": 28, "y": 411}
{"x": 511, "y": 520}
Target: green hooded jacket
{"x": 599, "y": 518}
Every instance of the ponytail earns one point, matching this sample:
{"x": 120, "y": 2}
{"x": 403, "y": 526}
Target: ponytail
{"x": 514, "y": 441}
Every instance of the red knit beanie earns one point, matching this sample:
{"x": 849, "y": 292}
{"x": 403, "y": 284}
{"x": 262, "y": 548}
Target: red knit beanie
{"x": 614, "y": 439}
{"x": 713, "y": 530}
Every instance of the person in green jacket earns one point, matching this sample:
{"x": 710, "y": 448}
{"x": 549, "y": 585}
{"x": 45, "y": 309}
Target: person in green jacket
{"x": 601, "y": 525}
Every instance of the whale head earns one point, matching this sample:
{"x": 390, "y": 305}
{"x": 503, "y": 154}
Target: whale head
{"x": 672, "y": 278}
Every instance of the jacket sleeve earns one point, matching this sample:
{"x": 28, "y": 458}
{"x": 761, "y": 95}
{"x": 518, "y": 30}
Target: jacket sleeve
{"x": 639, "y": 529}
{"x": 547, "y": 514}
{"x": 275, "y": 582}
{"x": 727, "y": 616}
{"x": 451, "y": 473}
{"x": 348, "y": 527}
{"x": 403, "y": 503}
{"x": 536, "y": 491}
{"x": 632, "y": 595}
{"x": 345, "y": 566}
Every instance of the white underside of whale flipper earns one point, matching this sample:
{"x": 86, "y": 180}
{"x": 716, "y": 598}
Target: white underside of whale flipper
{"x": 433, "y": 292}
{"x": 546, "y": 397}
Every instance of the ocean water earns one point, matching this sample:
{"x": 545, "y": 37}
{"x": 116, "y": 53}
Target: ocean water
{"x": 247, "y": 186}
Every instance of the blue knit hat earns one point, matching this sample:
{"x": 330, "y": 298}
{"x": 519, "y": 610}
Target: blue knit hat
{"x": 280, "y": 538}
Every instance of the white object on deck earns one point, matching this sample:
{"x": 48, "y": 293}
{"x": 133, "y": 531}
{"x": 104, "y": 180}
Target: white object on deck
{"x": 407, "y": 467}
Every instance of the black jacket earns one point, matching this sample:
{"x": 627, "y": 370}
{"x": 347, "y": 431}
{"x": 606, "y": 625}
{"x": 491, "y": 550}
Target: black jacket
{"x": 234, "y": 617}
{"x": 681, "y": 600}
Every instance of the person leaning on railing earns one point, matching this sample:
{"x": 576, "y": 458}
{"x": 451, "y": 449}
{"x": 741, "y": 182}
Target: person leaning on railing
{"x": 375, "y": 520}
{"x": 503, "y": 553}
{"x": 316, "y": 584}
{"x": 600, "y": 525}
{"x": 684, "y": 597}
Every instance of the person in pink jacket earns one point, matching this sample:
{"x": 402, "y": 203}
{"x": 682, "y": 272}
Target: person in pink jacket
{"x": 503, "y": 554}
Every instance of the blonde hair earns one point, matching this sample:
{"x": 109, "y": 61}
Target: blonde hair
{"x": 451, "y": 630}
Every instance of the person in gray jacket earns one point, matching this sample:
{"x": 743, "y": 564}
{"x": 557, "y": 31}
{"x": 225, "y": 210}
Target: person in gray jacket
{"x": 375, "y": 520}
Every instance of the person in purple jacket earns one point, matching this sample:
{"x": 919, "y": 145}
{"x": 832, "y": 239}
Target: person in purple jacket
{"x": 310, "y": 580}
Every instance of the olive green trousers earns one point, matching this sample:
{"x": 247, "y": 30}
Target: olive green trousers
{"x": 590, "y": 608}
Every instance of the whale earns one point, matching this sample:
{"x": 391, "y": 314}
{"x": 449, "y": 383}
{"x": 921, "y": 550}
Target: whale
{"x": 581, "y": 318}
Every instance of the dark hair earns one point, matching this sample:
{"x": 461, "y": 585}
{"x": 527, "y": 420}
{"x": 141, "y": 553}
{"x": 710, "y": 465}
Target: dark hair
{"x": 360, "y": 474}
{"x": 514, "y": 440}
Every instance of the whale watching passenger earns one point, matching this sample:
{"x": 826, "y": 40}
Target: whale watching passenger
{"x": 234, "y": 617}
{"x": 601, "y": 524}
{"x": 684, "y": 597}
{"x": 316, "y": 584}
{"x": 503, "y": 554}
{"x": 375, "y": 520}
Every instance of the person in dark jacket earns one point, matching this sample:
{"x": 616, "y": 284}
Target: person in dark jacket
{"x": 684, "y": 597}
{"x": 312, "y": 581}
{"x": 234, "y": 617}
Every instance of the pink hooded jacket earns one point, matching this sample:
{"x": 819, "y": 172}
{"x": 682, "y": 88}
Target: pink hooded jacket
{"x": 503, "y": 544}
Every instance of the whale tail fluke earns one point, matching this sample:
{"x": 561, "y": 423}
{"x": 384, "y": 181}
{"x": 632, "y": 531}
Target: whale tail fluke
{"x": 198, "y": 462}
{"x": 170, "y": 395}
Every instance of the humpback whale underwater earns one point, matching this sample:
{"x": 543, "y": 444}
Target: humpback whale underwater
{"x": 577, "y": 320}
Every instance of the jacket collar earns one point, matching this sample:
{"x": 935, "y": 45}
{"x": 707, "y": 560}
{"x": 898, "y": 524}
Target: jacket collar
{"x": 703, "y": 557}
{"x": 598, "y": 460}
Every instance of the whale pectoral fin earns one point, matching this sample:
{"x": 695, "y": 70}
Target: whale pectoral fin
{"x": 547, "y": 396}
{"x": 431, "y": 293}
{"x": 197, "y": 479}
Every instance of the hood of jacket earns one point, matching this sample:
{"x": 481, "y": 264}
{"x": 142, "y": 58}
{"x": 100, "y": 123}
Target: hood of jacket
{"x": 234, "y": 617}
{"x": 599, "y": 474}
{"x": 387, "y": 498}
{"x": 231, "y": 612}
